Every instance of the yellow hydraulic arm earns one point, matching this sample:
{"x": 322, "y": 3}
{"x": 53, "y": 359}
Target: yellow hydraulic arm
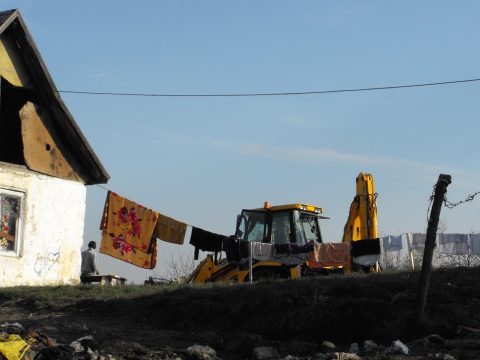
{"x": 362, "y": 218}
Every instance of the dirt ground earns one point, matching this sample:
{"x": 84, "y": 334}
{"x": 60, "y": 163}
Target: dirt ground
{"x": 163, "y": 326}
{"x": 119, "y": 337}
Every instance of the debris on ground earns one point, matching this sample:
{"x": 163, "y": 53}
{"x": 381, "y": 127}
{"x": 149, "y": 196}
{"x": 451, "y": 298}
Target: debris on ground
{"x": 200, "y": 352}
{"x": 369, "y": 346}
{"x": 328, "y": 345}
{"x": 18, "y": 342}
{"x": 354, "y": 348}
{"x": 13, "y": 347}
{"x": 38, "y": 346}
{"x": 399, "y": 347}
{"x": 347, "y": 356}
{"x": 265, "y": 353}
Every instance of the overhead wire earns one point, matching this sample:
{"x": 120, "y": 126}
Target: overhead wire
{"x": 288, "y": 93}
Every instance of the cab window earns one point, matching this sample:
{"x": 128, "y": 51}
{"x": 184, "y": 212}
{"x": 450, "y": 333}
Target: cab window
{"x": 281, "y": 228}
{"x": 252, "y": 226}
{"x": 306, "y": 228}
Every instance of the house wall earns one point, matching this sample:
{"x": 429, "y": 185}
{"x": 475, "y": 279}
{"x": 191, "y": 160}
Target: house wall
{"x": 54, "y": 214}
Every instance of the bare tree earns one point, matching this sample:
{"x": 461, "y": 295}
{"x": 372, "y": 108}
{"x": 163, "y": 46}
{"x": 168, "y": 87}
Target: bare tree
{"x": 178, "y": 266}
{"x": 464, "y": 259}
{"x": 395, "y": 260}
{"x": 460, "y": 260}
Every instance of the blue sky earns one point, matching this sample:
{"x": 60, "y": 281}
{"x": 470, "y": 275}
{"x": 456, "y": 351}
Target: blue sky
{"x": 201, "y": 160}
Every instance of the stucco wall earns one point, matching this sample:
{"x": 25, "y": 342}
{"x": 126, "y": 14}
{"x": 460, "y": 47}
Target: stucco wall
{"x": 54, "y": 214}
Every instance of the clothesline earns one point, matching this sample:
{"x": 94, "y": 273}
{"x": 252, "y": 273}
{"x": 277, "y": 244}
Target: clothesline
{"x": 446, "y": 243}
{"x": 149, "y": 263}
{"x": 107, "y": 189}
{"x": 130, "y": 232}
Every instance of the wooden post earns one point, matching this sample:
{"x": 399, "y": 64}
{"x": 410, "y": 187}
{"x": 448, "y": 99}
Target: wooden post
{"x": 440, "y": 190}
{"x": 250, "y": 263}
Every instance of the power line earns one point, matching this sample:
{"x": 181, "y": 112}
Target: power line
{"x": 291, "y": 93}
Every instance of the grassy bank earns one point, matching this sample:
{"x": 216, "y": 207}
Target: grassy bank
{"x": 339, "y": 308}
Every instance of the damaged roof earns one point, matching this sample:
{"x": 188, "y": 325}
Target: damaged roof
{"x": 13, "y": 25}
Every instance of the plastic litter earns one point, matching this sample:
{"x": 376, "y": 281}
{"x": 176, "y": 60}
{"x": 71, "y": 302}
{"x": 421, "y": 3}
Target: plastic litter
{"x": 400, "y": 347}
{"x": 13, "y": 347}
{"x": 77, "y": 344}
{"x": 328, "y": 344}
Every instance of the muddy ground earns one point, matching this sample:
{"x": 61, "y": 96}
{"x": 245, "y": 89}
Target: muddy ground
{"x": 293, "y": 317}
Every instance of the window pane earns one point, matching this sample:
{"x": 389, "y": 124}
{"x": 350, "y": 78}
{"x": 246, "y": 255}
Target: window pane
{"x": 9, "y": 212}
{"x": 309, "y": 225}
{"x": 252, "y": 226}
{"x": 299, "y": 230}
{"x": 281, "y": 232}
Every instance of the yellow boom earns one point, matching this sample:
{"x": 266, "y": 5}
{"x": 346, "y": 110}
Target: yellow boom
{"x": 362, "y": 218}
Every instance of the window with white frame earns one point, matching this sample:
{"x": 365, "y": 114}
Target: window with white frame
{"x": 11, "y": 219}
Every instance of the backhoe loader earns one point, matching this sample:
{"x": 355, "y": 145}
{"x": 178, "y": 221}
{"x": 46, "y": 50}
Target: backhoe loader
{"x": 285, "y": 241}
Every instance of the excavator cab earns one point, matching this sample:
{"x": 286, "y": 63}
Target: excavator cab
{"x": 295, "y": 224}
{"x": 288, "y": 226}
{"x": 288, "y": 230}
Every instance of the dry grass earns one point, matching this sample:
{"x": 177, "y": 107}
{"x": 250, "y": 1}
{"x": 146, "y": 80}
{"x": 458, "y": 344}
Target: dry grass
{"x": 340, "y": 308}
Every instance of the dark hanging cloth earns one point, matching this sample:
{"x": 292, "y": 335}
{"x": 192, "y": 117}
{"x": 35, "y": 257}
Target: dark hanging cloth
{"x": 237, "y": 250}
{"x": 231, "y": 247}
{"x": 206, "y": 241}
{"x": 365, "y": 247}
{"x": 244, "y": 249}
{"x": 289, "y": 248}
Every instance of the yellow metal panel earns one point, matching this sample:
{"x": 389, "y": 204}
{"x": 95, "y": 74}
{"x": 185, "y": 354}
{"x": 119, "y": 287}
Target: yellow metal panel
{"x": 295, "y": 272}
{"x": 305, "y": 207}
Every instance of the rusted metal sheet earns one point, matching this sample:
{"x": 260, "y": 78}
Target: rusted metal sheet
{"x": 41, "y": 152}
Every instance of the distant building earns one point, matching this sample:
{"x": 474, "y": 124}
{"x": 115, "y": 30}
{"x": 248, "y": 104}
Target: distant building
{"x": 45, "y": 163}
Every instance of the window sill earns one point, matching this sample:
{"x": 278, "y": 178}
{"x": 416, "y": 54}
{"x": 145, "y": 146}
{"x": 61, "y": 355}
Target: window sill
{"x": 7, "y": 253}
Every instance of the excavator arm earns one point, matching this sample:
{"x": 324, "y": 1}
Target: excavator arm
{"x": 362, "y": 217}
{"x": 361, "y": 226}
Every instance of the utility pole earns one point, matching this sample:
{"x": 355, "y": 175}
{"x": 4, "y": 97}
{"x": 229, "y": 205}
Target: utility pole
{"x": 439, "y": 195}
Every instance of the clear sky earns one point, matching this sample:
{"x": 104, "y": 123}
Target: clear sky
{"x": 201, "y": 160}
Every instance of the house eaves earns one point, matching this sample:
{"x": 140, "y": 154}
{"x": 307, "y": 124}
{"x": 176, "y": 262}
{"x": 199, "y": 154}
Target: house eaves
{"x": 92, "y": 170}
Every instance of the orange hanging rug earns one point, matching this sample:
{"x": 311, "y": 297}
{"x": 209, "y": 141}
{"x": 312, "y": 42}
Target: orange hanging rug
{"x": 128, "y": 231}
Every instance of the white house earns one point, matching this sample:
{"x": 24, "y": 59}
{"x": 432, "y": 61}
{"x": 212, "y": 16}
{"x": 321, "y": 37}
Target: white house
{"x": 45, "y": 165}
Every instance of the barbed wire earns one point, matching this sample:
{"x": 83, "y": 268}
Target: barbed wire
{"x": 451, "y": 205}
{"x": 448, "y": 204}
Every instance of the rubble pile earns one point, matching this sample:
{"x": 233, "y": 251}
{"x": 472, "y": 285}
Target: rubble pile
{"x": 17, "y": 343}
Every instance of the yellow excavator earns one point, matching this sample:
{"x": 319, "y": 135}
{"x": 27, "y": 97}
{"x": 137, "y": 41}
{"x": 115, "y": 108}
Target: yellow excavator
{"x": 285, "y": 241}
